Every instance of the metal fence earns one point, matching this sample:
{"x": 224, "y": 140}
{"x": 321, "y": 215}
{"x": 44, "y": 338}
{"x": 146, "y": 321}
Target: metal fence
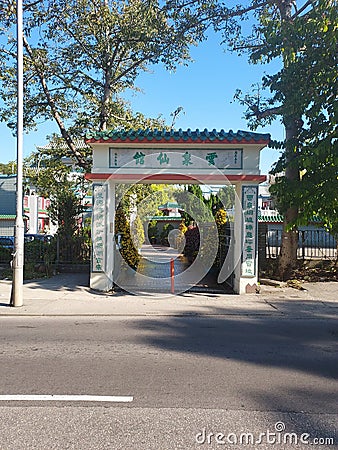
{"x": 312, "y": 244}
{"x": 74, "y": 250}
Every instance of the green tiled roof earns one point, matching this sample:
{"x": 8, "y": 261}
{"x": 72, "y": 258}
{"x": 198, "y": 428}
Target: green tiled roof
{"x": 165, "y": 218}
{"x": 278, "y": 218}
{"x": 178, "y": 136}
{"x": 11, "y": 216}
{"x": 170, "y": 205}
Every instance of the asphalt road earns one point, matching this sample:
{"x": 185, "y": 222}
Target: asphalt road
{"x": 190, "y": 378}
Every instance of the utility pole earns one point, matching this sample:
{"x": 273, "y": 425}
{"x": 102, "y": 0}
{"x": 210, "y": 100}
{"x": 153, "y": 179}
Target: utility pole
{"x": 18, "y": 257}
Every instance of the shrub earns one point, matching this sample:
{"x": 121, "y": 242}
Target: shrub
{"x": 180, "y": 238}
{"x": 127, "y": 249}
{"x": 137, "y": 232}
{"x": 192, "y": 241}
{"x": 164, "y": 235}
{"x": 5, "y": 255}
{"x": 152, "y": 232}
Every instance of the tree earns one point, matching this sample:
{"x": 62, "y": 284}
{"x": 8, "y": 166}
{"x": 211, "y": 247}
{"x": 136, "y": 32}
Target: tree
{"x": 317, "y": 192}
{"x": 8, "y": 168}
{"x": 304, "y": 40}
{"x": 127, "y": 249}
{"x": 152, "y": 196}
{"x": 54, "y": 178}
{"x": 65, "y": 209}
{"x": 196, "y": 207}
{"x": 80, "y": 55}
{"x": 226, "y": 195}
{"x": 137, "y": 232}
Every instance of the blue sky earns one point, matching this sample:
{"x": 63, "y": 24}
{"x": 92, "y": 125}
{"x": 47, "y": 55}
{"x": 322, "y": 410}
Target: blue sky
{"x": 204, "y": 89}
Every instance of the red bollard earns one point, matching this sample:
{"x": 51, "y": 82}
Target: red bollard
{"x": 172, "y": 275}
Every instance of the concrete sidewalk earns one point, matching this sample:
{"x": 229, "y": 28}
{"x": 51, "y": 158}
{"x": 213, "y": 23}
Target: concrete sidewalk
{"x": 69, "y": 295}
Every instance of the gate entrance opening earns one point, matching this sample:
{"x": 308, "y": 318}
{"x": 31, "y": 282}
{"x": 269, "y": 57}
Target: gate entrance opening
{"x": 178, "y": 157}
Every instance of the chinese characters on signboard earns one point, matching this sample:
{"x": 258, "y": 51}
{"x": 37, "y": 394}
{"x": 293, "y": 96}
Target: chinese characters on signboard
{"x": 179, "y": 159}
{"x": 249, "y": 205}
{"x": 99, "y": 227}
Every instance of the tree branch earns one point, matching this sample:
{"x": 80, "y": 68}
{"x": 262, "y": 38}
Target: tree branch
{"x": 51, "y": 103}
{"x": 299, "y": 11}
{"x": 277, "y": 110}
{"x": 26, "y": 7}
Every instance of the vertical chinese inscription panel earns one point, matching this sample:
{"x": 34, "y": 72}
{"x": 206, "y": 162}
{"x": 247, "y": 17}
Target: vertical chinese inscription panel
{"x": 249, "y": 206}
{"x": 99, "y": 228}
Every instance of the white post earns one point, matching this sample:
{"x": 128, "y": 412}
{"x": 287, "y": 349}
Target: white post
{"x": 245, "y": 234}
{"x": 101, "y": 277}
{"x": 238, "y": 224}
{"x": 111, "y": 234}
{"x": 33, "y": 204}
{"x": 18, "y": 260}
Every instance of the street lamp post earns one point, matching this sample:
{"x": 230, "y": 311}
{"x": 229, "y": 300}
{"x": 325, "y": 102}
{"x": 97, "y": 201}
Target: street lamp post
{"x": 18, "y": 259}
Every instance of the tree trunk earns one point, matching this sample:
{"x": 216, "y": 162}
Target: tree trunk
{"x": 106, "y": 98}
{"x": 292, "y": 123}
{"x": 289, "y": 245}
{"x": 104, "y": 113}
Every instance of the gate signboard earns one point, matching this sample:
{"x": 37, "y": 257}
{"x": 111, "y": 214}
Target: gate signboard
{"x": 182, "y": 159}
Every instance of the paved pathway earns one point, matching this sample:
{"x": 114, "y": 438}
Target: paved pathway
{"x": 153, "y": 274}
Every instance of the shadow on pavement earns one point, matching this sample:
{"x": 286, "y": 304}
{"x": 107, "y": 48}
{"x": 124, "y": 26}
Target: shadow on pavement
{"x": 308, "y": 346}
{"x": 63, "y": 281}
{"x": 303, "y": 353}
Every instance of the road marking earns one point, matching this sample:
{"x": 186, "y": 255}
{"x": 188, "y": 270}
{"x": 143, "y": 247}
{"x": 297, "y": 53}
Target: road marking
{"x": 67, "y": 398}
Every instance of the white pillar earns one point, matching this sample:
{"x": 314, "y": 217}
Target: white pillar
{"x": 102, "y": 237}
{"x": 245, "y": 235}
{"x": 33, "y": 200}
{"x": 111, "y": 233}
{"x": 238, "y": 238}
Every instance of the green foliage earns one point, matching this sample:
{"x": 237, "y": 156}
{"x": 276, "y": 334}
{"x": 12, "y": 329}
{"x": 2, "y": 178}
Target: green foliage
{"x": 146, "y": 199}
{"x": 192, "y": 242}
{"x": 152, "y": 232}
{"x": 150, "y": 197}
{"x": 128, "y": 251}
{"x": 303, "y": 93}
{"x": 165, "y": 233}
{"x": 61, "y": 183}
{"x": 312, "y": 82}
{"x": 221, "y": 223}
{"x": 36, "y": 251}
{"x": 221, "y": 219}
{"x": 5, "y": 255}
{"x": 180, "y": 238}
{"x": 209, "y": 244}
{"x": 64, "y": 210}
{"x": 81, "y": 55}
{"x": 137, "y": 232}
{"x": 226, "y": 195}
{"x": 8, "y": 168}
{"x": 71, "y": 249}
{"x": 196, "y": 207}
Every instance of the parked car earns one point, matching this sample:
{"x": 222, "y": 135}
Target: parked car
{"x": 38, "y": 237}
{"x": 7, "y": 242}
